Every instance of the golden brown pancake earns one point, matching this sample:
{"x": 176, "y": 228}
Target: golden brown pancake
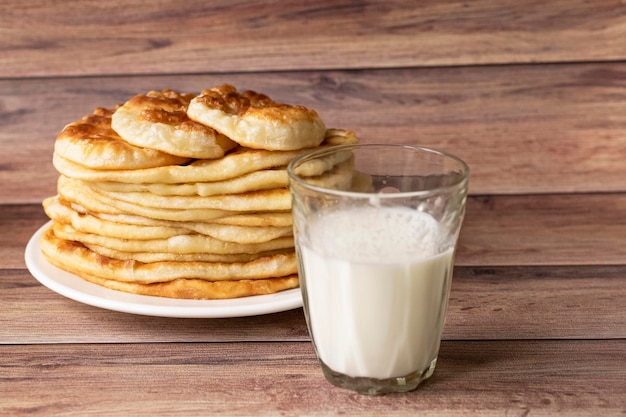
{"x": 78, "y": 259}
{"x": 92, "y": 143}
{"x": 258, "y": 180}
{"x": 56, "y": 210}
{"x": 158, "y": 120}
{"x": 148, "y": 257}
{"x": 198, "y": 289}
{"x": 87, "y": 223}
{"x": 180, "y": 244}
{"x": 236, "y": 163}
{"x": 252, "y": 201}
{"x": 258, "y": 219}
{"x": 75, "y": 191}
{"x": 256, "y": 121}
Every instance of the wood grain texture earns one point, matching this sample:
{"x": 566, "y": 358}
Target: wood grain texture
{"x": 563, "y": 229}
{"x": 515, "y": 302}
{"x": 522, "y": 129}
{"x": 486, "y": 303}
{"x": 18, "y": 223}
{"x": 481, "y": 378}
{"x": 27, "y": 308}
{"x": 41, "y": 38}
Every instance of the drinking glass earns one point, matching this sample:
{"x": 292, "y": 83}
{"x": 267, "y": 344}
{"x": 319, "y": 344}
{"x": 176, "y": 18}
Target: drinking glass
{"x": 375, "y": 228}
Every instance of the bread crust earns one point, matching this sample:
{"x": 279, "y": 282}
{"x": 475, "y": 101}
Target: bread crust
{"x": 256, "y": 121}
{"x": 158, "y": 120}
{"x": 91, "y": 142}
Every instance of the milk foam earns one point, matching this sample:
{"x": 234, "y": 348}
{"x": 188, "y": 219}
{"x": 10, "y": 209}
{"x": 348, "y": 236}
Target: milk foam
{"x": 373, "y": 234}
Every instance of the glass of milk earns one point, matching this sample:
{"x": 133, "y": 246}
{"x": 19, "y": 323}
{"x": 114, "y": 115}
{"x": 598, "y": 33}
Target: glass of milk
{"x": 375, "y": 228}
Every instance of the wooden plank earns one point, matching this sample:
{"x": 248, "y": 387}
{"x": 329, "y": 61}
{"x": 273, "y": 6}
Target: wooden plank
{"x": 522, "y": 129}
{"x": 486, "y": 378}
{"x": 494, "y": 303}
{"x": 40, "y": 38}
{"x": 27, "y": 307}
{"x": 18, "y": 224}
{"x": 576, "y": 302}
{"x": 568, "y": 229}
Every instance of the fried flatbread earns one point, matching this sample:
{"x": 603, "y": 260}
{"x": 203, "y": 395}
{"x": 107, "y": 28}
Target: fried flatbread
{"x": 256, "y": 121}
{"x": 87, "y": 223}
{"x": 76, "y": 258}
{"x": 148, "y": 257}
{"x": 275, "y": 218}
{"x": 158, "y": 120}
{"x": 321, "y": 165}
{"x": 259, "y": 180}
{"x": 172, "y": 208}
{"x": 236, "y": 163}
{"x": 83, "y": 222}
{"x": 92, "y": 142}
{"x": 199, "y": 289}
{"x": 258, "y": 219}
{"x": 263, "y": 200}
{"x": 75, "y": 192}
{"x": 181, "y": 244}
{"x": 241, "y": 234}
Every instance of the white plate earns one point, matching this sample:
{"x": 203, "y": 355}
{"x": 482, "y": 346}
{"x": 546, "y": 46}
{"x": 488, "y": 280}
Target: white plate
{"x": 76, "y": 288}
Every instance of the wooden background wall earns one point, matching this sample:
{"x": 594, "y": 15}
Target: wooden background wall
{"x": 531, "y": 93}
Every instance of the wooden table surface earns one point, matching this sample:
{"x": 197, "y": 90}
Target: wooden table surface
{"x": 531, "y": 94}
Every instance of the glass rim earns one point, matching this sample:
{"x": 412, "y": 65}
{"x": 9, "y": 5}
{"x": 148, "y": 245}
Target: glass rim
{"x": 312, "y": 154}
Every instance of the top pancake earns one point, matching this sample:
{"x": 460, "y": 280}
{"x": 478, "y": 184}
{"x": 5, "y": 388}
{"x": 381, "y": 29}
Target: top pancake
{"x": 158, "y": 120}
{"x": 256, "y": 121}
{"x": 92, "y": 142}
{"x": 236, "y": 163}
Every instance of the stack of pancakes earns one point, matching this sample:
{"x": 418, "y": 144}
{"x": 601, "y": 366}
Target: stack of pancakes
{"x": 182, "y": 195}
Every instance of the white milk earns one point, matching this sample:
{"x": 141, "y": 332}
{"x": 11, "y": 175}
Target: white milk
{"x": 376, "y": 286}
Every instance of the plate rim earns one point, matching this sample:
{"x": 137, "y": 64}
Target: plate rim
{"x": 74, "y": 287}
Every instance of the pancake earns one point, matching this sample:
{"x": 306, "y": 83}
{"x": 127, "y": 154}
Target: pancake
{"x": 236, "y": 163}
{"x": 148, "y": 257}
{"x": 224, "y": 282}
{"x": 180, "y": 244}
{"x": 241, "y": 234}
{"x": 65, "y": 214}
{"x": 78, "y": 259}
{"x": 256, "y": 121}
{"x": 199, "y": 289}
{"x": 275, "y": 218}
{"x": 322, "y": 164}
{"x": 92, "y": 142}
{"x": 87, "y": 223}
{"x": 262, "y": 200}
{"x": 158, "y": 120}
{"x": 258, "y": 219}
{"x": 254, "y": 181}
{"x": 74, "y": 191}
